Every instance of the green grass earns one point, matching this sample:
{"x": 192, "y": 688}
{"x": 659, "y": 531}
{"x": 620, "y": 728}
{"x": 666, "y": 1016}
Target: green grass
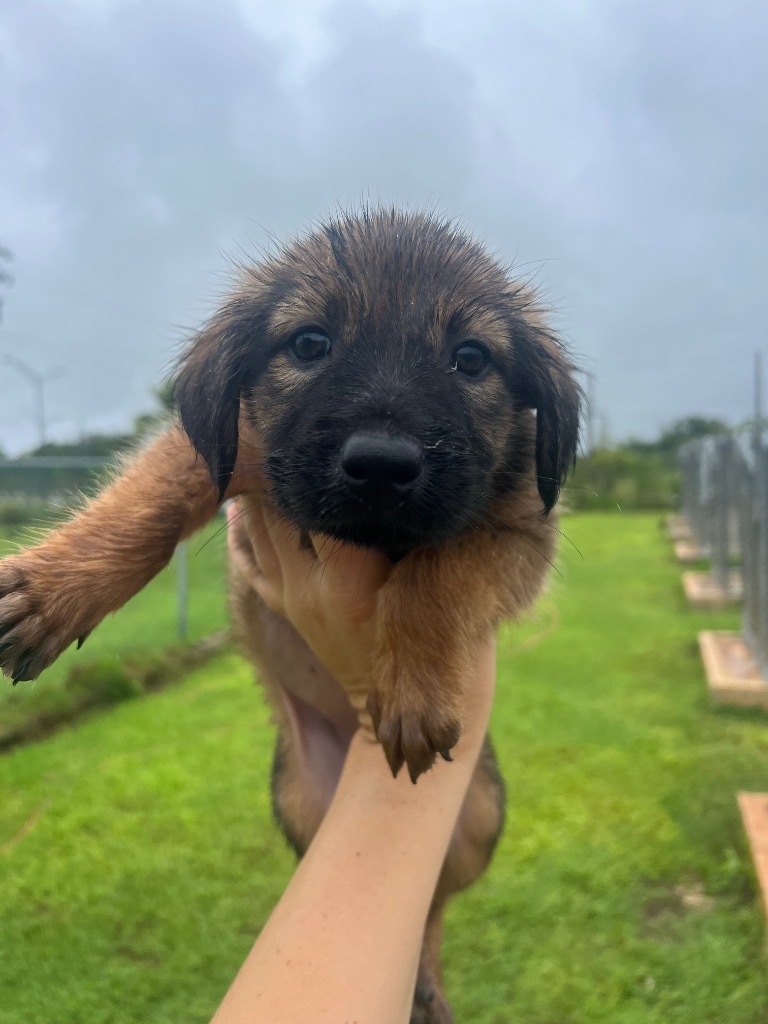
{"x": 146, "y": 625}
{"x": 138, "y": 859}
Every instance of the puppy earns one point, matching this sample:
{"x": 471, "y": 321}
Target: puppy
{"x": 388, "y": 384}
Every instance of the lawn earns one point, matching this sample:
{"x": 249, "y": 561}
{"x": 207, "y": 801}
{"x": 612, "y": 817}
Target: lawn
{"x": 138, "y": 858}
{"x": 146, "y": 625}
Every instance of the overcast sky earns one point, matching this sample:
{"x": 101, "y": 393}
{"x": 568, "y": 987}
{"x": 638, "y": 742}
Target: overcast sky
{"x": 619, "y": 150}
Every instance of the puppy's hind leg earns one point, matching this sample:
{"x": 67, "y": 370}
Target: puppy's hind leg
{"x": 430, "y": 1005}
{"x": 297, "y": 815}
{"x": 311, "y": 744}
{"x": 474, "y": 840}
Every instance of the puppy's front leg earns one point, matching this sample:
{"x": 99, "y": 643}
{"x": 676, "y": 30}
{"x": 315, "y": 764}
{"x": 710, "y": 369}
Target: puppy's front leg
{"x": 437, "y": 605}
{"x": 58, "y": 591}
{"x": 415, "y": 703}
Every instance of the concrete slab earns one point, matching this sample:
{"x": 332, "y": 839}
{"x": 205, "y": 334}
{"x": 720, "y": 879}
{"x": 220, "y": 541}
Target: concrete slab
{"x": 754, "y": 815}
{"x": 732, "y": 674}
{"x": 687, "y": 551}
{"x": 678, "y": 528}
{"x": 703, "y": 592}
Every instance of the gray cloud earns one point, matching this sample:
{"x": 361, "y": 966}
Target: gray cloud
{"x": 620, "y": 147}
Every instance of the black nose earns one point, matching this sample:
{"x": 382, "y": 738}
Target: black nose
{"x": 380, "y": 465}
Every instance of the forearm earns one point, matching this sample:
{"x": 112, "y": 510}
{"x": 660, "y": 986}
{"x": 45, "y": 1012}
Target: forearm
{"x": 343, "y": 942}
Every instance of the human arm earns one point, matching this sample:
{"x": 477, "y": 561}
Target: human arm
{"x": 343, "y": 942}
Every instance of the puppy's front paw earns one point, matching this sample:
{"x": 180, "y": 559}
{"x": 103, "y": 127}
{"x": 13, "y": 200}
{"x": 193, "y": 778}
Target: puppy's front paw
{"x": 35, "y": 624}
{"x": 412, "y": 733}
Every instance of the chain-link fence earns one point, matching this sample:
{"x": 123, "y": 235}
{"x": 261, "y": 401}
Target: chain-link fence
{"x": 712, "y": 473}
{"x": 724, "y": 490}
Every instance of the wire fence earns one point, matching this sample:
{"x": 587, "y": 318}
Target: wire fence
{"x": 51, "y": 478}
{"x": 50, "y": 482}
{"x": 724, "y": 498}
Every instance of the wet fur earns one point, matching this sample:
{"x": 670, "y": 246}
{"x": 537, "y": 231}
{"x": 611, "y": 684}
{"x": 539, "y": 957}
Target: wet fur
{"x": 472, "y": 544}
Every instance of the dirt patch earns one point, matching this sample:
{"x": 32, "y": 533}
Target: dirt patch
{"x": 25, "y": 829}
{"x": 664, "y": 909}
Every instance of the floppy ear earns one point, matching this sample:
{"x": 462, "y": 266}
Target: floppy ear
{"x": 556, "y": 397}
{"x": 207, "y": 389}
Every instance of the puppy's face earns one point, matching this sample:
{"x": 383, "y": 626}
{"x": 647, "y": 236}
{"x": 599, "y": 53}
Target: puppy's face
{"x": 392, "y": 371}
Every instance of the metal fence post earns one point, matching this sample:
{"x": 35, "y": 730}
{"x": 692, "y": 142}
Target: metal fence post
{"x": 760, "y": 626}
{"x": 182, "y": 590}
{"x": 720, "y": 548}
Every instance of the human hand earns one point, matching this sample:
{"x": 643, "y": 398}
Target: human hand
{"x": 329, "y": 593}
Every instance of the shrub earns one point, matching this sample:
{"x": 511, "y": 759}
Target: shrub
{"x": 19, "y": 510}
{"x": 623, "y": 479}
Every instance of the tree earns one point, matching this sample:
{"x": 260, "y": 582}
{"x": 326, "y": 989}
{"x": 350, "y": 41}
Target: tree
{"x": 687, "y": 429}
{"x": 677, "y": 433}
{"x": 98, "y": 445}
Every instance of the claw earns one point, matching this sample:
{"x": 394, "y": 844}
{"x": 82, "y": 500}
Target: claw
{"x": 395, "y": 760}
{"x": 81, "y": 639}
{"x": 5, "y": 647}
{"x": 20, "y": 674}
{"x": 412, "y": 740}
{"x": 391, "y": 744}
{"x": 420, "y": 762}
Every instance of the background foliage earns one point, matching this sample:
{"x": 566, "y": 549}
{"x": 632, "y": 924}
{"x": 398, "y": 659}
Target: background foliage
{"x": 635, "y": 475}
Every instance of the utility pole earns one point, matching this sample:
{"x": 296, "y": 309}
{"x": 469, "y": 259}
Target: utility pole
{"x": 591, "y": 415}
{"x": 757, "y": 433}
{"x": 38, "y": 381}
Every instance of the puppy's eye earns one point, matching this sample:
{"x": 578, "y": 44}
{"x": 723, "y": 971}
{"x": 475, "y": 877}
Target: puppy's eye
{"x": 470, "y": 359}
{"x": 310, "y": 345}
